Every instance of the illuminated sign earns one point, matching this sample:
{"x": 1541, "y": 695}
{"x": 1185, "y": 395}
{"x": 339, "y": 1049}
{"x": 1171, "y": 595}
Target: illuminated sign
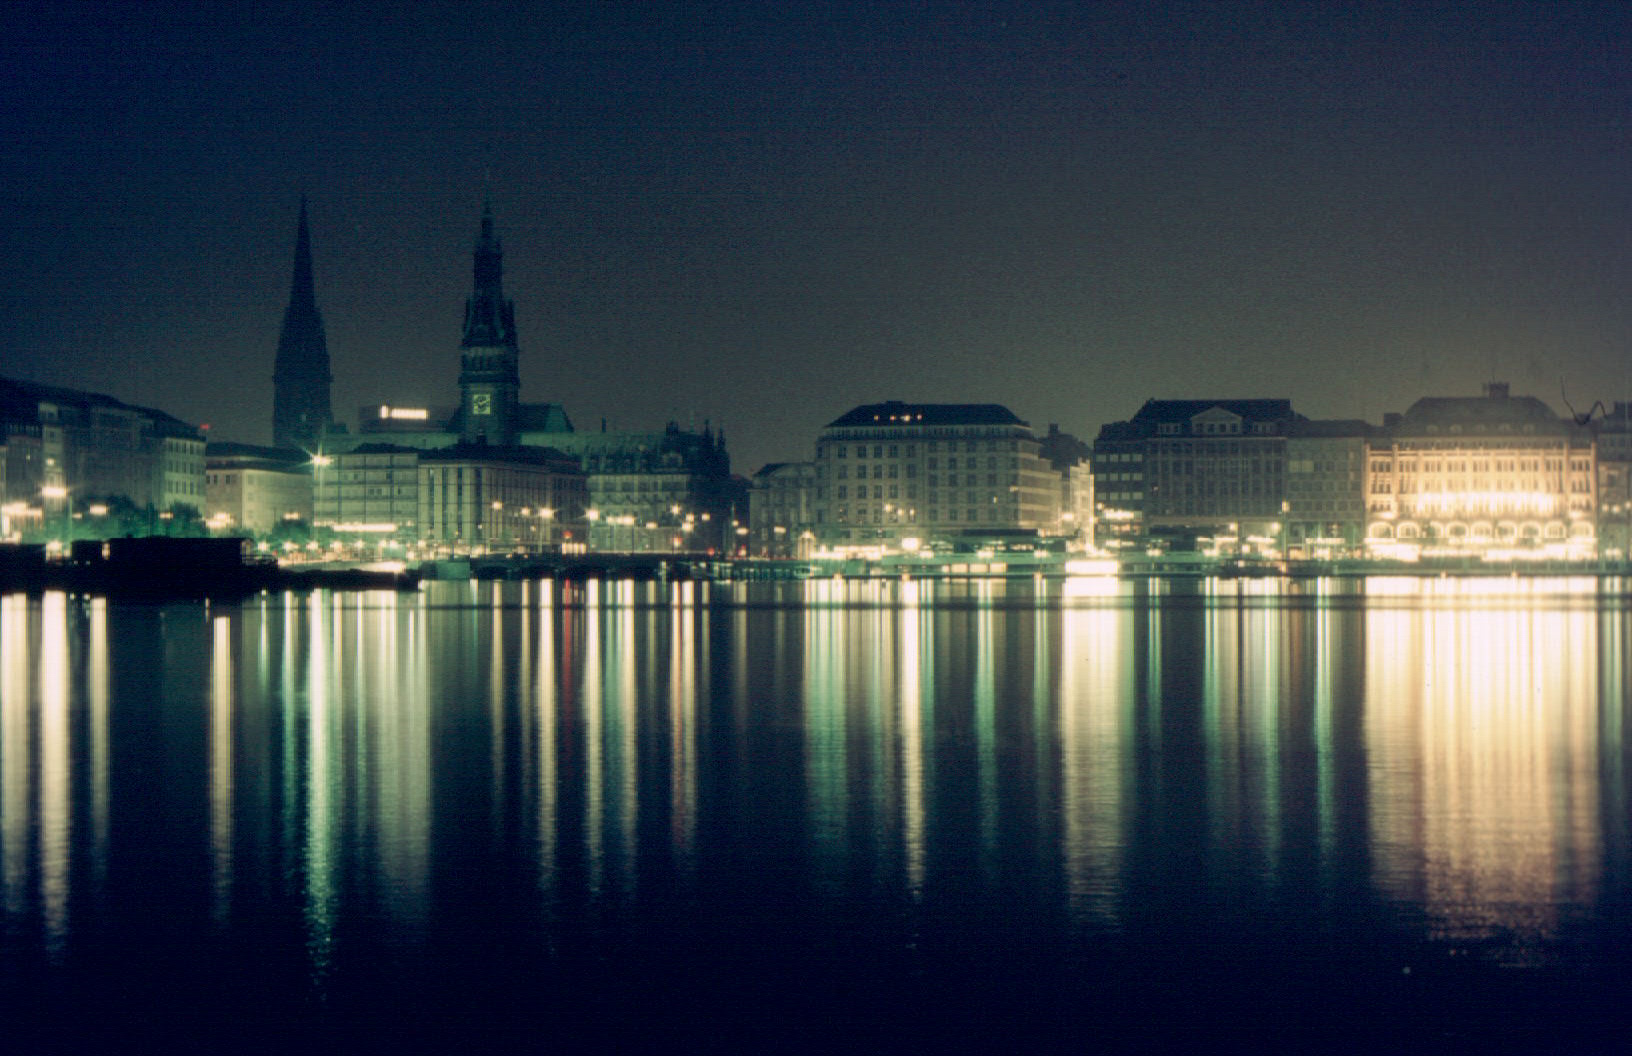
{"x": 403, "y": 414}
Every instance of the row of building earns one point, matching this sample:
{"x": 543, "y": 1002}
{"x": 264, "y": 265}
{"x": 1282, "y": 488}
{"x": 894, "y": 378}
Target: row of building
{"x": 1495, "y": 472}
{"x": 1492, "y": 474}
{"x": 56, "y": 442}
{"x": 490, "y": 473}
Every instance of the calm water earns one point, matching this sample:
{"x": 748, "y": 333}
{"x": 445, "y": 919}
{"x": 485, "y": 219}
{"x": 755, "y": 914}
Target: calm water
{"x": 1242, "y": 799}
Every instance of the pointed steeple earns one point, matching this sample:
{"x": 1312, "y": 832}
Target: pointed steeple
{"x": 489, "y": 318}
{"x": 300, "y": 377}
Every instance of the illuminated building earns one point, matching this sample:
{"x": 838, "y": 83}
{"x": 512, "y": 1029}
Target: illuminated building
{"x": 300, "y": 378}
{"x": 1189, "y": 470}
{"x": 1071, "y": 460}
{"x": 370, "y": 490}
{"x": 480, "y": 498}
{"x": 645, "y": 486}
{"x": 255, "y": 489}
{"x": 931, "y": 471}
{"x": 642, "y": 485}
{"x": 1325, "y": 513}
{"x": 1613, "y": 434}
{"x": 93, "y": 446}
{"x": 782, "y": 510}
{"x": 1481, "y": 474}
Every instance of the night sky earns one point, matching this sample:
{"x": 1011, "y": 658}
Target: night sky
{"x": 763, "y": 215}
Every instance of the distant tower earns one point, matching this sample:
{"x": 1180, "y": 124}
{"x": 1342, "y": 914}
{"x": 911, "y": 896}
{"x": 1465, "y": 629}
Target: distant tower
{"x": 489, "y": 378}
{"x": 300, "y": 380}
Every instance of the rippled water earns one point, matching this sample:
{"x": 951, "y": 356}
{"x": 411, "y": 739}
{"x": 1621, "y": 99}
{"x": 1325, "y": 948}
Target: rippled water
{"x": 1200, "y": 799}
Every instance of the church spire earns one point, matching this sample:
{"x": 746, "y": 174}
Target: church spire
{"x": 300, "y": 377}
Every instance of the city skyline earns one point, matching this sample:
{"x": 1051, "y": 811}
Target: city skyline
{"x": 764, "y": 220}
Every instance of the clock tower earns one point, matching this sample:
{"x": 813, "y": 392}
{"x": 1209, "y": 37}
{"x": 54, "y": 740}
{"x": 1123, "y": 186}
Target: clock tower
{"x": 489, "y": 377}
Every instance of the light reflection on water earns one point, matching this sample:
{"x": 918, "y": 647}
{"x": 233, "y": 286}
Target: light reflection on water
{"x": 1096, "y": 757}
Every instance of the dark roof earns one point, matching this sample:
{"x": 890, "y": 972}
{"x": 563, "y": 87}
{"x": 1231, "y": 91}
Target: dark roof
{"x": 896, "y": 412}
{"x": 1479, "y": 412}
{"x": 1184, "y": 410}
{"x": 537, "y": 456}
{"x": 22, "y": 398}
{"x": 382, "y": 449}
{"x": 1333, "y": 428}
{"x": 542, "y": 418}
{"x": 232, "y": 449}
{"x": 250, "y": 456}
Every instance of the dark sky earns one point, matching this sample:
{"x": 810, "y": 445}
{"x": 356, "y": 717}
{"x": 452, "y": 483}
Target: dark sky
{"x": 765, "y": 214}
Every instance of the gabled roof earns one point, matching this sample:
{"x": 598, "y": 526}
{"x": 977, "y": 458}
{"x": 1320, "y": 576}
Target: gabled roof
{"x": 542, "y": 418}
{"x": 894, "y": 412}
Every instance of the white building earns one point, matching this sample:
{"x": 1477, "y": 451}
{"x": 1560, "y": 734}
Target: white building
{"x": 1470, "y": 475}
{"x": 891, "y": 472}
{"x": 255, "y": 489}
{"x": 475, "y": 498}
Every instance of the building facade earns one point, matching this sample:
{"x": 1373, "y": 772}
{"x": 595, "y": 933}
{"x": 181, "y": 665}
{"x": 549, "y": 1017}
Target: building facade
{"x": 476, "y": 498}
{"x": 66, "y": 446}
{"x": 255, "y": 489}
{"x": 1612, "y": 435}
{"x": 371, "y": 490}
{"x": 887, "y": 473}
{"x": 1072, "y": 461}
{"x": 782, "y": 510}
{"x": 1470, "y": 475}
{"x": 1183, "y": 471}
{"x": 1326, "y": 489}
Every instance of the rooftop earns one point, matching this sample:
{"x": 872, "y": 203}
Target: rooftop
{"x": 894, "y": 412}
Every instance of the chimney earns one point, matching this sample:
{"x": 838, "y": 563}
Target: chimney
{"x": 1496, "y": 390}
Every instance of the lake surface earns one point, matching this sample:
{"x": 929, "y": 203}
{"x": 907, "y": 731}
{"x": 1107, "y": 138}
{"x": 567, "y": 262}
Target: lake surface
{"x": 1202, "y": 801}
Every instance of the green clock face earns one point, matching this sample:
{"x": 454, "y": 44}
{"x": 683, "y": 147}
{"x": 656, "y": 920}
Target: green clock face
{"x": 481, "y": 403}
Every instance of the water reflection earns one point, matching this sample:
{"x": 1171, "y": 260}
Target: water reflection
{"x": 1482, "y": 730}
{"x": 1097, "y": 697}
{"x": 352, "y": 773}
